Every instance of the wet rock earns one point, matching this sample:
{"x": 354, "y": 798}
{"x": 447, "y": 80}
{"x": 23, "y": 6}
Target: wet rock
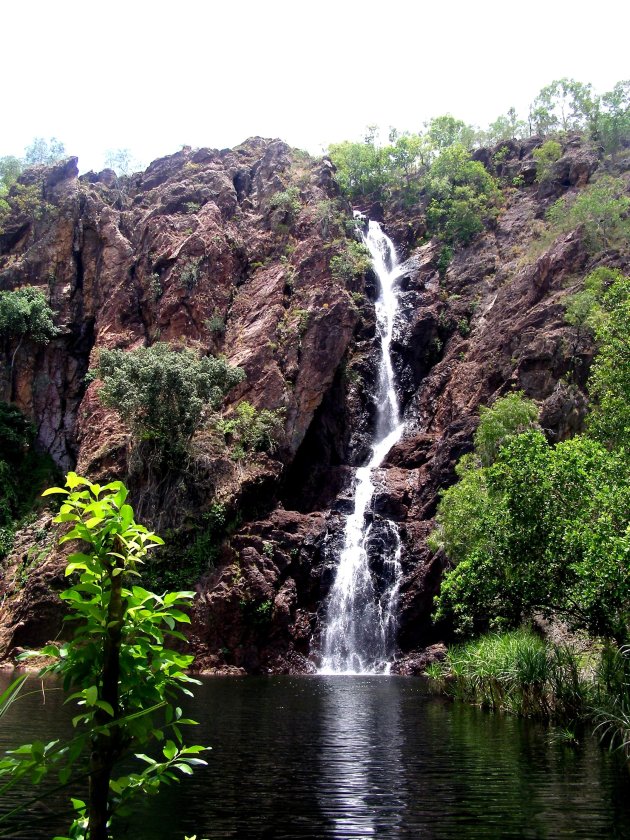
{"x": 416, "y": 663}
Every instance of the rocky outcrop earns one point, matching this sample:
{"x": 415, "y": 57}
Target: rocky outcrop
{"x": 198, "y": 249}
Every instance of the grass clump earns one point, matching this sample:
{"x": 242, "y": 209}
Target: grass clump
{"x": 523, "y": 674}
{"x": 516, "y": 672}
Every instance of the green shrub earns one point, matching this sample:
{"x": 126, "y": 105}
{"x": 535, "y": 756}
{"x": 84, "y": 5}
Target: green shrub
{"x": 120, "y": 663}
{"x": 540, "y": 530}
{"x": 614, "y": 118}
{"x": 361, "y": 168}
{"x": 23, "y": 200}
{"x": 352, "y": 262}
{"x": 545, "y": 156}
{"x": 192, "y": 551}
{"x": 249, "y": 430}
{"x": 446, "y": 131}
{"x": 164, "y": 394}
{"x": 24, "y": 472}
{"x": 600, "y": 209}
{"x": 288, "y": 203}
{"x": 10, "y": 170}
{"x": 508, "y": 416}
{"x": 611, "y": 708}
{"x": 501, "y": 155}
{"x": 520, "y": 673}
{"x": 462, "y": 194}
{"x": 190, "y": 273}
{"x": 463, "y": 327}
{"x": 609, "y": 383}
{"x": 155, "y": 286}
{"x": 517, "y": 672}
{"x": 531, "y": 527}
{"x": 25, "y": 314}
{"x": 216, "y": 324}
{"x": 444, "y": 260}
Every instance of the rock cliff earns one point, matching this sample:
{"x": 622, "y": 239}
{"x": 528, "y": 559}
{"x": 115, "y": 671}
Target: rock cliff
{"x": 230, "y": 252}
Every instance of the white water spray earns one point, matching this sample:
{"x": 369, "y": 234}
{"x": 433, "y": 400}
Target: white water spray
{"x": 360, "y": 630}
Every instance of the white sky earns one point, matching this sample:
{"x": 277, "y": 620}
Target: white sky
{"x": 153, "y": 76}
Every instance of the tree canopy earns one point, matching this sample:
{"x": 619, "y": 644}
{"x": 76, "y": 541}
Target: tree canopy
{"x": 163, "y": 393}
{"x": 531, "y": 527}
{"x": 25, "y": 313}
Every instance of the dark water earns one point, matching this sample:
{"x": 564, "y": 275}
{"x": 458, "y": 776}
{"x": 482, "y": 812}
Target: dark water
{"x": 360, "y": 757}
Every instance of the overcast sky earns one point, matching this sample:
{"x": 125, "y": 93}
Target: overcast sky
{"x": 153, "y": 76}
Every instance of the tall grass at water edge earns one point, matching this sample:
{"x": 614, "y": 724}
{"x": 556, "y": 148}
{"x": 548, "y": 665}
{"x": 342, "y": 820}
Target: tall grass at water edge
{"x": 520, "y": 673}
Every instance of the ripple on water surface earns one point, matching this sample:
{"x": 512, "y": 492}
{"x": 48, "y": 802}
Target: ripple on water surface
{"x": 360, "y": 757}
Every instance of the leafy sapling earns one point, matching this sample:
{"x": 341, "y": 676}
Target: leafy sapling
{"x": 123, "y": 678}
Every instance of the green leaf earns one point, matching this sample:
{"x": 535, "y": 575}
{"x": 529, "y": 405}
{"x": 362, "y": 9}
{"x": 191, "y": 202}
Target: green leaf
{"x": 126, "y": 516}
{"x": 64, "y": 774}
{"x": 91, "y": 695}
{"x": 74, "y": 567}
{"x": 53, "y": 490}
{"x": 169, "y": 750}
{"x": 73, "y": 480}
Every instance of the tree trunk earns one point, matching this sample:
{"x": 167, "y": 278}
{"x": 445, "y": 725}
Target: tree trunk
{"x": 106, "y": 748}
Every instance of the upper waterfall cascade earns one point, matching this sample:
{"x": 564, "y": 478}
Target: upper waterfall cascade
{"x": 359, "y": 636}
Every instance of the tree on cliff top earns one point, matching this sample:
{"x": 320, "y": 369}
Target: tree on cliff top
{"x": 43, "y": 151}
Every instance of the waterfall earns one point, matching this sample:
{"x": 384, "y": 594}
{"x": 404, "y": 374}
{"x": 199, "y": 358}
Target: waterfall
{"x": 359, "y": 634}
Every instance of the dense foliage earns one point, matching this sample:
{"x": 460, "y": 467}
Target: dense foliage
{"x": 26, "y": 198}
{"x": 434, "y": 169}
{"x": 532, "y": 527}
{"x": 521, "y": 673}
{"x": 162, "y": 393}
{"x": 543, "y": 529}
{"x": 23, "y": 471}
{"x": 462, "y": 195}
{"x": 600, "y": 210}
{"x": 609, "y": 384}
{"x": 125, "y": 681}
{"x": 26, "y": 314}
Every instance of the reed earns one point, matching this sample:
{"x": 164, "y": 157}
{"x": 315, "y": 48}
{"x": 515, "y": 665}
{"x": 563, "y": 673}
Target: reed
{"x": 517, "y": 672}
{"x": 611, "y": 710}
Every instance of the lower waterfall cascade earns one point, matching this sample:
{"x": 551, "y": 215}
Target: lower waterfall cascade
{"x": 360, "y": 626}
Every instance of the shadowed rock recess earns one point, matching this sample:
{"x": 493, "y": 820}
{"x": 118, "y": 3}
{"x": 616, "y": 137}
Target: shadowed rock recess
{"x": 230, "y": 252}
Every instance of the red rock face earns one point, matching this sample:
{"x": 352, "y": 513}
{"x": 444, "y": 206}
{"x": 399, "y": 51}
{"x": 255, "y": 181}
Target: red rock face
{"x": 196, "y": 250}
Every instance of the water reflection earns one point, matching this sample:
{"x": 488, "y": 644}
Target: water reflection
{"x": 361, "y": 779}
{"x": 341, "y": 758}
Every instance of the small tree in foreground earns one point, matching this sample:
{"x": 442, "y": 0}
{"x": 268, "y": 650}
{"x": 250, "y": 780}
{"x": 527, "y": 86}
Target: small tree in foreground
{"x": 116, "y": 666}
